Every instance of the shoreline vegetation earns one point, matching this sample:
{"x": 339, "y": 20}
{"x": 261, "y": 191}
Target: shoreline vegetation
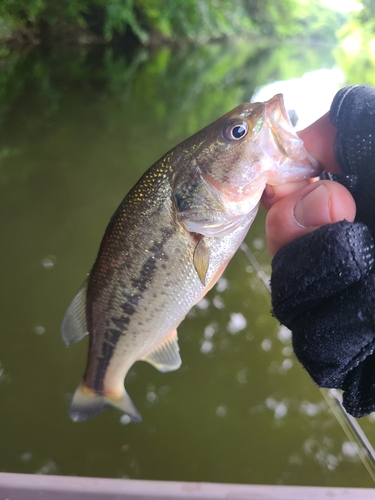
{"x": 47, "y": 46}
{"x": 127, "y": 26}
{"x": 150, "y": 23}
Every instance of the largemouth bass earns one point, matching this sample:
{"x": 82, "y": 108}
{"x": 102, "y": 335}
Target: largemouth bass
{"x": 168, "y": 243}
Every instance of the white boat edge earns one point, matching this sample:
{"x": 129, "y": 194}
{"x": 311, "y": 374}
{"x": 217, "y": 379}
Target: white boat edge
{"x": 47, "y": 487}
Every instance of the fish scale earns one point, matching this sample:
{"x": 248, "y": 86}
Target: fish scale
{"x": 168, "y": 243}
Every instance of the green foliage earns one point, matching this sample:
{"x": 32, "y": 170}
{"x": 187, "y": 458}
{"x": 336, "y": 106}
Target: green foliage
{"x": 121, "y": 14}
{"x": 178, "y": 21}
{"x": 182, "y": 89}
{"x": 21, "y": 11}
{"x": 196, "y": 20}
{"x": 273, "y": 17}
{"x": 366, "y": 16}
{"x": 28, "y": 12}
{"x": 14, "y": 16}
{"x": 361, "y": 23}
{"x": 314, "y": 21}
{"x": 356, "y": 51}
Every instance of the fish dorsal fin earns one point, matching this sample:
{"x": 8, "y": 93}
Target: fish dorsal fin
{"x": 74, "y": 324}
{"x": 166, "y": 356}
{"x": 201, "y": 259}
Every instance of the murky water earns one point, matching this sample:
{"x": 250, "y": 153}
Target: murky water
{"x": 77, "y": 132}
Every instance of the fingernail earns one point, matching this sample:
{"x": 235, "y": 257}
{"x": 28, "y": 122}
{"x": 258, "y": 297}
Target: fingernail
{"x": 313, "y": 209}
{"x": 269, "y": 191}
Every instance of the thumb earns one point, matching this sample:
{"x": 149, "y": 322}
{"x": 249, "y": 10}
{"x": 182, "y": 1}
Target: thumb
{"x": 319, "y": 203}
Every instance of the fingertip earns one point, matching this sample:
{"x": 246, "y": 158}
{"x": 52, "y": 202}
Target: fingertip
{"x": 318, "y": 139}
{"x": 272, "y": 194}
{"x": 320, "y": 203}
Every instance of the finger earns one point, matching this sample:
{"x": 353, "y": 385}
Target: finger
{"x": 318, "y": 139}
{"x": 272, "y": 194}
{"x": 322, "y": 202}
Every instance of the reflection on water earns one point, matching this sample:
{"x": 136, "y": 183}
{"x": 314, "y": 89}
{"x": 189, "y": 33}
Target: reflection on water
{"x": 310, "y": 96}
{"x": 77, "y": 131}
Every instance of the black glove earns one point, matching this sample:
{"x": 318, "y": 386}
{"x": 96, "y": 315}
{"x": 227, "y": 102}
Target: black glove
{"x": 323, "y": 283}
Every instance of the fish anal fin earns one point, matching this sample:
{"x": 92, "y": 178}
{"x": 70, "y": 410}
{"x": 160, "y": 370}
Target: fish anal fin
{"x": 201, "y": 259}
{"x": 86, "y": 403}
{"x": 74, "y": 325}
{"x": 165, "y": 357}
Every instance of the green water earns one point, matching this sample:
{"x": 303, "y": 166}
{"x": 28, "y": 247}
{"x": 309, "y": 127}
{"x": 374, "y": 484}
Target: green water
{"x": 77, "y": 131}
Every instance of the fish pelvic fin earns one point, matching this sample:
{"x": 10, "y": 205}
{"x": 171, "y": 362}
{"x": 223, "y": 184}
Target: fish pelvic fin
{"x": 165, "y": 357}
{"x": 86, "y": 404}
{"x": 201, "y": 259}
{"x": 74, "y": 324}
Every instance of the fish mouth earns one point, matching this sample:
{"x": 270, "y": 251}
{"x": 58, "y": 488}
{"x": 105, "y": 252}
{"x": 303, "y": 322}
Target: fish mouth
{"x": 280, "y": 126}
{"x": 280, "y": 142}
{"x": 275, "y": 108}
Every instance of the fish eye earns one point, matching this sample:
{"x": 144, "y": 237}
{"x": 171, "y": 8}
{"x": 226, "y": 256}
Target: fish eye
{"x": 236, "y": 130}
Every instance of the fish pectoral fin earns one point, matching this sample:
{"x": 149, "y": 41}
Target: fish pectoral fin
{"x": 74, "y": 325}
{"x": 86, "y": 403}
{"x": 166, "y": 356}
{"x": 201, "y": 260}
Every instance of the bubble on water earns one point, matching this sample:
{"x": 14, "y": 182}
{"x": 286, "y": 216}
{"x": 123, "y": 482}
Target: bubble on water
{"x": 48, "y": 262}
{"x": 218, "y": 302}
{"x": 309, "y": 409}
{"x": 295, "y": 459}
{"x": 203, "y": 304}
{"x": 270, "y": 403}
{"x": 49, "y": 468}
{"x": 210, "y": 331}
{"x": 287, "y": 364}
{"x": 206, "y": 347}
{"x": 284, "y": 334}
{"x": 242, "y": 376}
{"x": 164, "y": 390}
{"x": 125, "y": 419}
{"x": 266, "y": 345}
{"x": 39, "y": 330}
{"x": 4, "y": 377}
{"x": 237, "y": 323}
{"x": 350, "y": 449}
{"x": 27, "y": 456}
{"x": 258, "y": 243}
{"x": 222, "y": 284}
{"x": 151, "y": 397}
{"x": 280, "y": 408}
{"x": 332, "y": 461}
{"x": 287, "y": 350}
{"x": 221, "y": 411}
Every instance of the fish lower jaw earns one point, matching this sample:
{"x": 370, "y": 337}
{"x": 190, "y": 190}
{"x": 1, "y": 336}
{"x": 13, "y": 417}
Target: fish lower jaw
{"x": 298, "y": 166}
{"x": 245, "y": 206}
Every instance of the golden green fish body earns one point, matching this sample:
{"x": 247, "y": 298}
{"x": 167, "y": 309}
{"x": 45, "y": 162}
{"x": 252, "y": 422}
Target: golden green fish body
{"x": 168, "y": 243}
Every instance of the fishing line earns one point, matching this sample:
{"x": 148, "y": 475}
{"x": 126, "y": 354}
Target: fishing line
{"x": 349, "y": 424}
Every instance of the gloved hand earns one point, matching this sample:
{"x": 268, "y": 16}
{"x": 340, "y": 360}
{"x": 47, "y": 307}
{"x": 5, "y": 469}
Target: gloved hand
{"x": 323, "y": 283}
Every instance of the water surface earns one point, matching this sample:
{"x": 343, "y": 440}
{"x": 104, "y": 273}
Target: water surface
{"x": 77, "y": 131}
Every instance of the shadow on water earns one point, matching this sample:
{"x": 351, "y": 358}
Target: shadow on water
{"x": 77, "y": 130}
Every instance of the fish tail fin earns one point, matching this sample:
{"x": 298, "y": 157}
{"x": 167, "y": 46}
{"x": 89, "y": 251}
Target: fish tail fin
{"x": 87, "y": 403}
